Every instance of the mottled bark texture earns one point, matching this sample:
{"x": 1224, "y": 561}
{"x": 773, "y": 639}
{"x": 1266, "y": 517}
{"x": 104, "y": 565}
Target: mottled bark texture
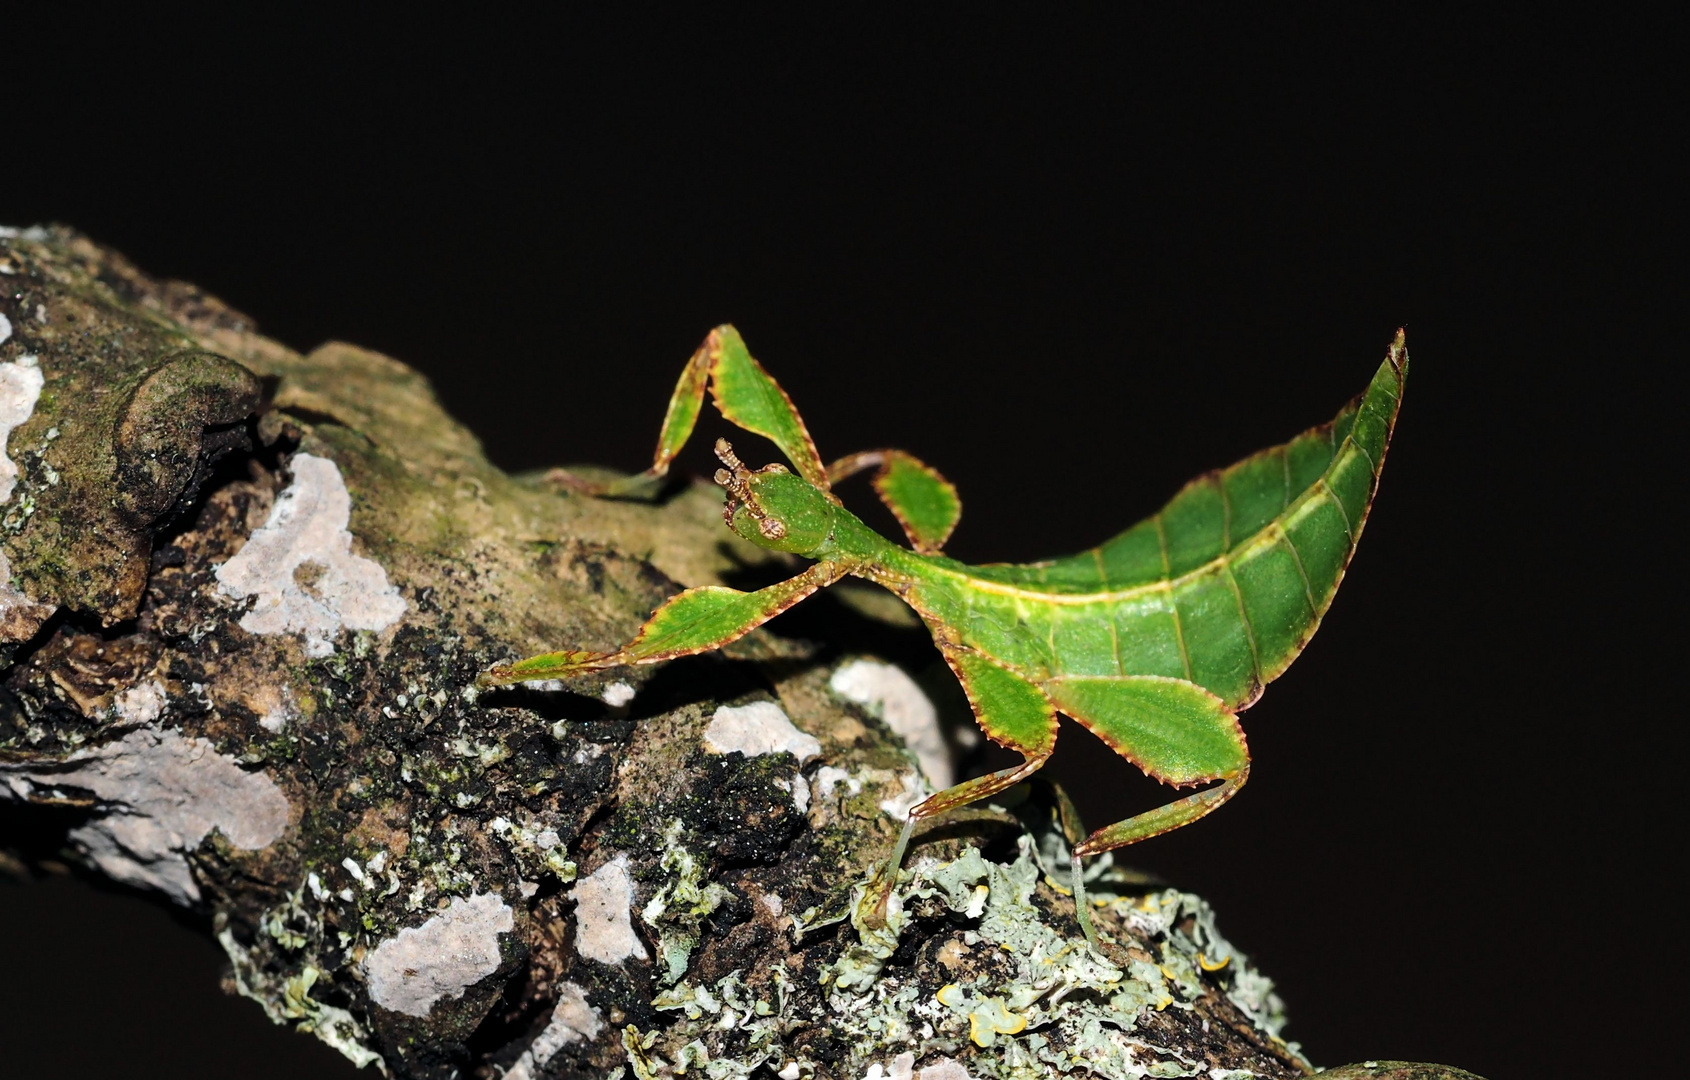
{"x": 245, "y": 596}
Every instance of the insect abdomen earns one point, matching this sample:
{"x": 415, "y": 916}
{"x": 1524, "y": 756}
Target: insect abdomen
{"x": 1228, "y": 583}
{"x": 1247, "y": 613}
{"x": 1224, "y": 586}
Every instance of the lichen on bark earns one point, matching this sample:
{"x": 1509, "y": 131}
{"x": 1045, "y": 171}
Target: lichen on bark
{"x": 643, "y": 874}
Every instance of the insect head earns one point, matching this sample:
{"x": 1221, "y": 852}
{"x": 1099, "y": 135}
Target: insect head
{"x": 772, "y": 507}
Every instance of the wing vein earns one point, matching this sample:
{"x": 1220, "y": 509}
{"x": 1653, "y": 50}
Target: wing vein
{"x": 1249, "y": 630}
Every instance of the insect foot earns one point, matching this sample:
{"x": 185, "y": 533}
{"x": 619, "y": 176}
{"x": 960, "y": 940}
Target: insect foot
{"x": 876, "y": 905}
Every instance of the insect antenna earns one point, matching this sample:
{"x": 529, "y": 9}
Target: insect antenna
{"x": 736, "y": 478}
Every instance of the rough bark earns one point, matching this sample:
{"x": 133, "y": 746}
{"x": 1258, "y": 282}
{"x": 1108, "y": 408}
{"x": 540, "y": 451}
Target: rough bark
{"x": 244, "y": 593}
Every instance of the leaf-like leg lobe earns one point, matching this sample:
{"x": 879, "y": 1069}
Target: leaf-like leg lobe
{"x": 691, "y": 622}
{"x": 923, "y": 501}
{"x": 1011, "y": 710}
{"x": 1176, "y": 731}
{"x": 746, "y": 396}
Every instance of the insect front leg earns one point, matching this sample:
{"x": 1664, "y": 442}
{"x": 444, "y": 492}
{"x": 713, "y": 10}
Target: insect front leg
{"x": 695, "y": 621}
{"x": 678, "y": 421}
{"x": 1013, "y": 713}
{"x": 745, "y": 395}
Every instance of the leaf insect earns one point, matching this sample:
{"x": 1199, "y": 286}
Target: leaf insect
{"x": 1154, "y": 640}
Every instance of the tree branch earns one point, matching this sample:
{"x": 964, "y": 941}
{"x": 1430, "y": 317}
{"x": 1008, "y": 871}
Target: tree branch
{"x": 246, "y": 593}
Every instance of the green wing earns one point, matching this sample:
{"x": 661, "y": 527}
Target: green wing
{"x": 1222, "y": 587}
{"x": 1226, "y": 511}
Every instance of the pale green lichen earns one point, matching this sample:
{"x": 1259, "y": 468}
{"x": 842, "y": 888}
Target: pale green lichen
{"x": 437, "y": 854}
{"x": 637, "y": 1046}
{"x": 731, "y": 1011}
{"x": 537, "y": 848}
{"x": 290, "y": 922}
{"x": 677, "y": 910}
{"x": 288, "y": 1001}
{"x": 1185, "y": 951}
{"x": 961, "y": 883}
{"x": 988, "y": 1017}
{"x": 1034, "y": 1000}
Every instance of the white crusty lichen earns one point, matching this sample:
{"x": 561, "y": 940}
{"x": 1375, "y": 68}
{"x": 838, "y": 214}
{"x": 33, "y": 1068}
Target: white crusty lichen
{"x": 761, "y": 727}
{"x": 604, "y": 907}
{"x": 836, "y": 796}
{"x": 574, "y": 1020}
{"x": 140, "y": 704}
{"x": 442, "y": 958}
{"x": 276, "y": 717}
{"x": 945, "y": 1069}
{"x": 829, "y": 778}
{"x": 300, "y": 570}
{"x": 20, "y": 389}
{"x": 20, "y": 616}
{"x": 800, "y": 789}
{"x": 160, "y": 794}
{"x": 899, "y": 805}
{"x": 887, "y": 692}
{"x": 903, "y": 1067}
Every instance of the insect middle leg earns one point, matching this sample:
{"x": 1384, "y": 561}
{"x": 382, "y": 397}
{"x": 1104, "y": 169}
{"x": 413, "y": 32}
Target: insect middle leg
{"x": 1014, "y": 713}
{"x": 923, "y": 501}
{"x": 1048, "y": 795}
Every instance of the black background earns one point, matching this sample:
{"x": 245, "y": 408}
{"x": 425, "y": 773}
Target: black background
{"x": 1071, "y": 259}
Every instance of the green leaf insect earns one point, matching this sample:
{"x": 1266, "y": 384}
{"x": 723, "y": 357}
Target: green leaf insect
{"x": 1155, "y": 640}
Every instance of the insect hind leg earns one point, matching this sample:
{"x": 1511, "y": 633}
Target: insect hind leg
{"x": 1162, "y": 819}
{"x": 1176, "y": 731}
{"x": 1073, "y": 834}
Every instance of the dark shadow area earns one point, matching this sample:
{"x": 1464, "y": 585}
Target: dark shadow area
{"x": 106, "y": 981}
